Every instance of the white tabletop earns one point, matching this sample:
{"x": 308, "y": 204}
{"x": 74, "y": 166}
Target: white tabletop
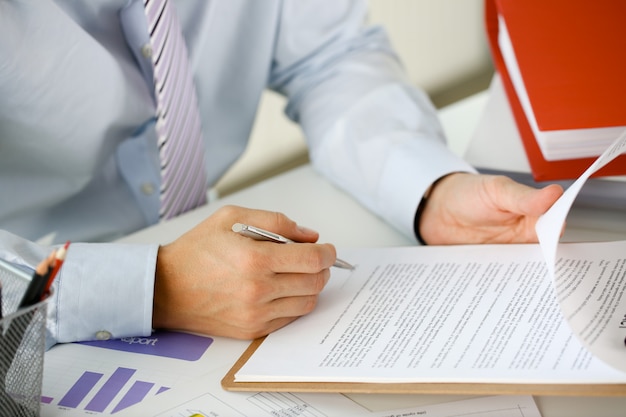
{"x": 308, "y": 198}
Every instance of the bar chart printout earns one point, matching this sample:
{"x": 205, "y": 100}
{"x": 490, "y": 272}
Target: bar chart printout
{"x": 115, "y": 385}
{"x": 83, "y": 379}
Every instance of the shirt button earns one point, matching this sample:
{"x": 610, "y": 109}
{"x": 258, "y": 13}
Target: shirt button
{"x": 103, "y": 335}
{"x": 146, "y": 51}
{"x": 147, "y": 188}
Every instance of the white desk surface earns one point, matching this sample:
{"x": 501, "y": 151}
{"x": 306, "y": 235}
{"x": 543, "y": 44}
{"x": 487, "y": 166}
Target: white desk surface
{"x": 307, "y": 198}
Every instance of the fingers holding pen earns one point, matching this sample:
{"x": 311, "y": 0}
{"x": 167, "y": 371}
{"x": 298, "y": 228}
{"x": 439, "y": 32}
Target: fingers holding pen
{"x": 261, "y": 303}
{"x": 272, "y": 272}
{"x": 279, "y": 313}
{"x": 267, "y": 288}
{"x": 282, "y": 282}
{"x": 275, "y": 221}
{"x": 215, "y": 281}
{"x": 262, "y": 310}
{"x": 303, "y": 295}
{"x": 293, "y": 258}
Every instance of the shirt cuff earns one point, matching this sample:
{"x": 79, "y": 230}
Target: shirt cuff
{"x": 103, "y": 291}
{"x": 409, "y": 172}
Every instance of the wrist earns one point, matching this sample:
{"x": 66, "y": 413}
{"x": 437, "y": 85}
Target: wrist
{"x": 419, "y": 212}
{"x": 159, "y": 313}
{"x": 418, "y": 216}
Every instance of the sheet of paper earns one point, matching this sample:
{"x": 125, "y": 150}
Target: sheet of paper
{"x": 475, "y": 313}
{"x": 465, "y": 313}
{"x": 104, "y": 378}
{"x": 501, "y": 406}
{"x": 592, "y": 294}
{"x": 549, "y": 225}
{"x": 204, "y": 397}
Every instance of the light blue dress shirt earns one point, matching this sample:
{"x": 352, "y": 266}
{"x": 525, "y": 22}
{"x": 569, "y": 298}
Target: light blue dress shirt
{"x": 78, "y": 157}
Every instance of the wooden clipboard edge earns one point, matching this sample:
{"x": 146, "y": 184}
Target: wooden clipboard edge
{"x": 585, "y": 390}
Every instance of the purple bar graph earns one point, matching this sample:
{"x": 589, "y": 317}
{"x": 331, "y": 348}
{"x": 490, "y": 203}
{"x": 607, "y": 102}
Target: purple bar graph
{"x": 80, "y": 389}
{"x": 135, "y": 394}
{"x": 110, "y": 389}
{"x": 108, "y": 392}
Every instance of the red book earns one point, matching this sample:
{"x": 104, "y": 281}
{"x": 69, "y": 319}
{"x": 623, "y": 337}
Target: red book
{"x": 571, "y": 58}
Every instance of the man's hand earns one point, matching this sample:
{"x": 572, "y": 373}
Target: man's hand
{"x": 214, "y": 281}
{"x": 470, "y": 208}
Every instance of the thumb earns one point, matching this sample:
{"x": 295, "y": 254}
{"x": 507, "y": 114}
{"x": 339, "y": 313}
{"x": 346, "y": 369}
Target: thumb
{"x": 535, "y": 202}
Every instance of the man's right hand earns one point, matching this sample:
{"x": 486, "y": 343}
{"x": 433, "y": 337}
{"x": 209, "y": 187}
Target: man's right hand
{"x": 214, "y": 281}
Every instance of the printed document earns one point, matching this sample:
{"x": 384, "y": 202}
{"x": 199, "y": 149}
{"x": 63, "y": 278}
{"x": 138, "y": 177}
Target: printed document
{"x": 549, "y": 313}
{"x": 205, "y": 397}
{"x": 500, "y": 406}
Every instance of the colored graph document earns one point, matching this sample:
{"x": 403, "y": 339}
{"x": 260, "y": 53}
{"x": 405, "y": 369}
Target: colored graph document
{"x": 547, "y": 319}
{"x": 106, "y": 377}
{"x": 204, "y": 397}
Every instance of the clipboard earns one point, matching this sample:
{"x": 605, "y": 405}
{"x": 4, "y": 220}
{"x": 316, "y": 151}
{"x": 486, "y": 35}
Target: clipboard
{"x": 572, "y": 390}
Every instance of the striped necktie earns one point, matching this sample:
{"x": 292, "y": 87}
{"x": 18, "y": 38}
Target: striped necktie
{"x": 183, "y": 180}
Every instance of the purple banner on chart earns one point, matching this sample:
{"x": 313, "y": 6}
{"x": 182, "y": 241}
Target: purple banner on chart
{"x": 174, "y": 345}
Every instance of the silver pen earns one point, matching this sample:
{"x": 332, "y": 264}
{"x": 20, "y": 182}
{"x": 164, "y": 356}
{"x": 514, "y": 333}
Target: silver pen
{"x": 260, "y": 234}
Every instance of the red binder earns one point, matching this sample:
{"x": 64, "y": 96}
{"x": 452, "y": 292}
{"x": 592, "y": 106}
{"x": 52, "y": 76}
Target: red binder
{"x": 599, "y": 96}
